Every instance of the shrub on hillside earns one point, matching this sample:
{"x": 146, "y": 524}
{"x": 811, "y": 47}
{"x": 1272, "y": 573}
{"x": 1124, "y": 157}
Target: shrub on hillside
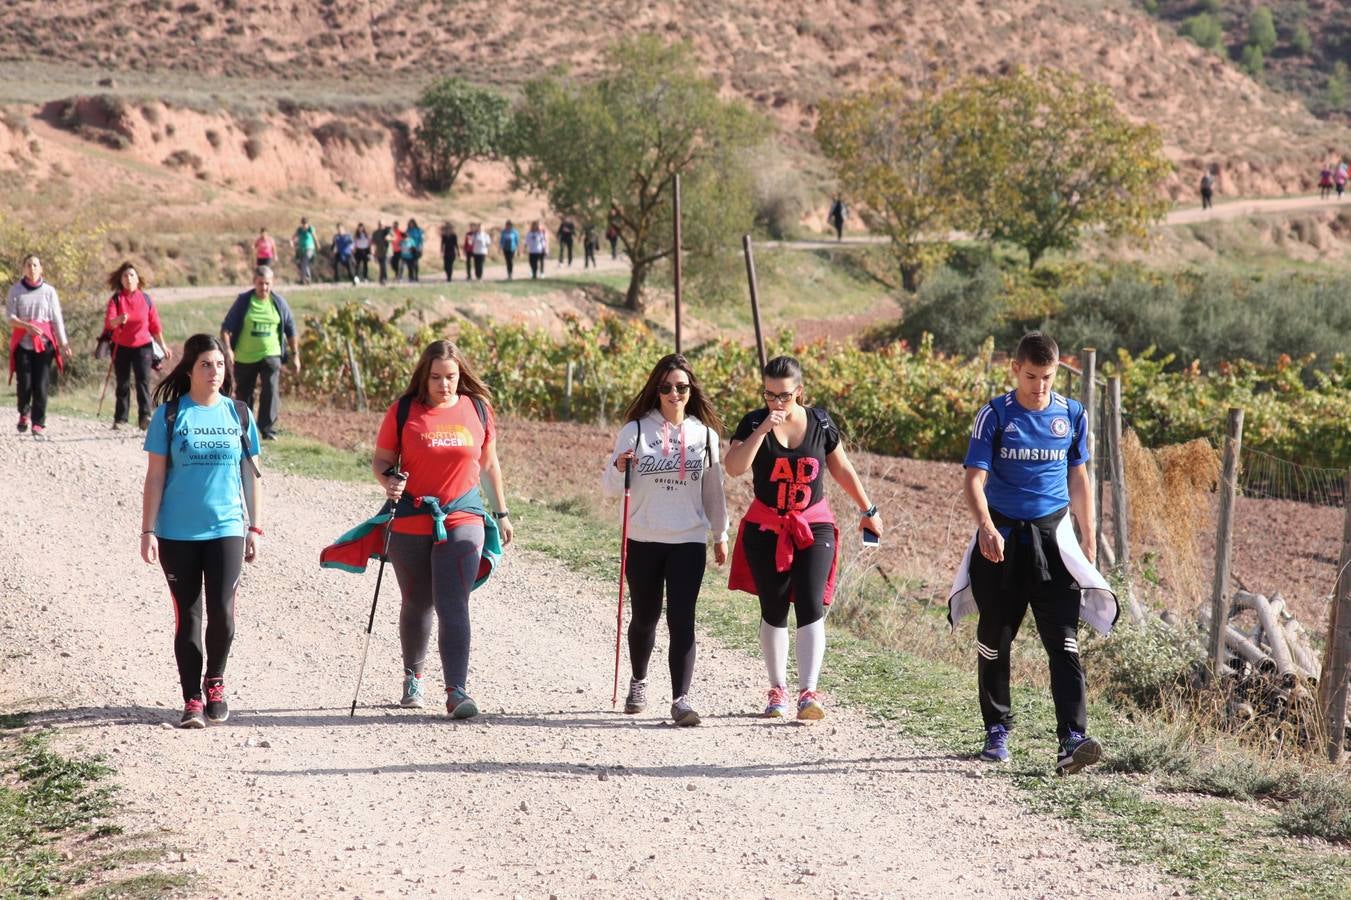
{"x": 1142, "y": 664}
{"x": 960, "y": 311}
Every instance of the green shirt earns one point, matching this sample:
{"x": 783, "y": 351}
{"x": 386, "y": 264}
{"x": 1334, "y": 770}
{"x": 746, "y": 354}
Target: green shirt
{"x": 261, "y": 335}
{"x": 305, "y": 241}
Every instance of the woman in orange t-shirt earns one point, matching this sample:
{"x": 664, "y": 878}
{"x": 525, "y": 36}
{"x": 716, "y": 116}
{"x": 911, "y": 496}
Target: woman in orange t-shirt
{"x": 447, "y": 447}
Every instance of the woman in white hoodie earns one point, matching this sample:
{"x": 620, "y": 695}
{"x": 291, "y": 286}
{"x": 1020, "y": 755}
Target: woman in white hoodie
{"x": 670, "y": 437}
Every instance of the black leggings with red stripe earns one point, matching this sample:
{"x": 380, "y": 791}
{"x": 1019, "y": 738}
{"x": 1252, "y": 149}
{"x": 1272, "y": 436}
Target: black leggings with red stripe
{"x": 188, "y": 565}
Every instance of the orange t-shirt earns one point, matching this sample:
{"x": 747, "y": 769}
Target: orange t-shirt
{"x": 442, "y": 452}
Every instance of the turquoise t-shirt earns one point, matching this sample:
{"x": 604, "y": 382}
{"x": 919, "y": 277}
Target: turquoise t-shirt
{"x": 203, "y": 489}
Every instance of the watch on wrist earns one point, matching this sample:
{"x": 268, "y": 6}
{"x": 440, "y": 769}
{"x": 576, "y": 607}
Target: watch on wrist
{"x": 501, "y": 515}
{"x": 870, "y": 511}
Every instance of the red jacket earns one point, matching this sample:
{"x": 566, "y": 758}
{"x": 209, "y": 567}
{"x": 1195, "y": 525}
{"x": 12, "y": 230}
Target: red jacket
{"x": 142, "y": 319}
{"x": 794, "y": 529}
{"x": 40, "y": 341}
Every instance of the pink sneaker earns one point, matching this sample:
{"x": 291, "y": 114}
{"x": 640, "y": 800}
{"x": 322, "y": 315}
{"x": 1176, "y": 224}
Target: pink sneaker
{"x": 23, "y": 424}
{"x": 809, "y": 706}
{"x": 38, "y": 430}
{"x": 778, "y": 703}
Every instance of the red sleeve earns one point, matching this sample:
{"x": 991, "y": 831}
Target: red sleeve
{"x": 386, "y": 439}
{"x": 152, "y": 316}
{"x": 109, "y": 315}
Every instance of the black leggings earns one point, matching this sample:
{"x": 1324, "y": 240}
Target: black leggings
{"x": 679, "y": 568}
{"x": 34, "y": 372}
{"x": 186, "y": 565}
{"x": 805, "y": 579}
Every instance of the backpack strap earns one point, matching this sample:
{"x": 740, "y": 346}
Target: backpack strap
{"x": 170, "y": 416}
{"x": 405, "y": 407}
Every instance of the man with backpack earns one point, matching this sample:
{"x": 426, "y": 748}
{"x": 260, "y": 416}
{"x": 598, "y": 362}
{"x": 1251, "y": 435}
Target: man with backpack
{"x": 1207, "y": 190}
{"x": 1026, "y": 467}
{"x": 260, "y": 334}
{"x": 838, "y": 213}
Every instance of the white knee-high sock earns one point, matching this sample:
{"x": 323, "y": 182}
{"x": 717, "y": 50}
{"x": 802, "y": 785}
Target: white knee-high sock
{"x": 774, "y": 646}
{"x": 811, "y": 652}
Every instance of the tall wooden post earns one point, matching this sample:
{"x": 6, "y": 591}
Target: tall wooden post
{"x": 1332, "y": 689}
{"x": 755, "y": 299}
{"x": 1088, "y": 396}
{"x": 676, "y": 256}
{"x": 1120, "y": 515}
{"x": 1219, "y": 598}
{"x": 356, "y": 376}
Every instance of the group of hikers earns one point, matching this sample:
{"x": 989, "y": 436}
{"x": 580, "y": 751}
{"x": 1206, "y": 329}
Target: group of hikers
{"x": 1332, "y": 178}
{"x": 202, "y": 511}
{"x": 397, "y": 250}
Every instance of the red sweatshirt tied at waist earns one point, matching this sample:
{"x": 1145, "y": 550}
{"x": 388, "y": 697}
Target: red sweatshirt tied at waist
{"x": 794, "y": 529}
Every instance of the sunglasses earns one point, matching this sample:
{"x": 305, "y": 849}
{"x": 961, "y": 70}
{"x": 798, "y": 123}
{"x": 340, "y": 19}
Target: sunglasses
{"x": 782, "y": 398}
{"x": 681, "y": 389}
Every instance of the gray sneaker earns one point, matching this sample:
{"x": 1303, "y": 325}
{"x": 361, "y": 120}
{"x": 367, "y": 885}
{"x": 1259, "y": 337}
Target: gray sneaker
{"x": 412, "y": 690}
{"x": 636, "y": 701}
{"x": 682, "y": 713}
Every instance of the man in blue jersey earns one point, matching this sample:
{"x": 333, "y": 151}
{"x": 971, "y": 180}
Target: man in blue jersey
{"x": 1025, "y": 468}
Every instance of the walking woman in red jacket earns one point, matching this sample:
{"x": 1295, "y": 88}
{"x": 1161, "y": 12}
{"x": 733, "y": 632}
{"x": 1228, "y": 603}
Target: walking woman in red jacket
{"x": 134, "y": 323}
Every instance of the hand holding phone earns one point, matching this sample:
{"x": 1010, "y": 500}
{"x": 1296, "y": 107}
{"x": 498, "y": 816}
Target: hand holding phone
{"x": 870, "y": 538}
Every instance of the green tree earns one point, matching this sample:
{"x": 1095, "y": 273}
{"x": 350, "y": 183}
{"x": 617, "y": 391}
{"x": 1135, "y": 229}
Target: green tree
{"x": 1335, "y": 95}
{"x": 1252, "y": 60}
{"x": 1301, "y": 40}
{"x": 609, "y": 151}
{"x": 895, "y": 158}
{"x": 1262, "y": 30}
{"x": 1204, "y": 29}
{"x": 460, "y": 122}
{"x": 1044, "y": 155}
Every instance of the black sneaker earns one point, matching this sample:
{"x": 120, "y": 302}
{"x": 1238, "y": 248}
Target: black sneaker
{"x": 1077, "y": 751}
{"x": 636, "y": 701}
{"x": 217, "y": 710}
{"x": 192, "y": 715}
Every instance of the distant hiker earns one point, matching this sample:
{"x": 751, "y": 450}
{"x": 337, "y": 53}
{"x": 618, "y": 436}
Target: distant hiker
{"x": 264, "y": 249}
{"x": 1207, "y": 190}
{"x": 612, "y": 235}
{"x": 200, "y": 516}
{"x": 343, "y": 249}
{"x": 787, "y": 545}
{"x": 509, "y": 241}
{"x": 260, "y": 336}
{"x": 37, "y": 337}
{"x": 133, "y": 324}
{"x": 590, "y": 244}
{"x": 361, "y": 244}
{"x": 838, "y": 213}
{"x": 566, "y": 233}
{"x": 1339, "y": 178}
{"x": 380, "y": 247}
{"x": 396, "y": 248}
{"x": 537, "y": 245}
{"x": 468, "y": 249}
{"x": 1325, "y": 183}
{"x": 670, "y": 437}
{"x": 450, "y": 249}
{"x": 1026, "y": 466}
{"x": 411, "y": 249}
{"x": 442, "y": 434}
{"x": 483, "y": 242}
{"x": 306, "y": 244}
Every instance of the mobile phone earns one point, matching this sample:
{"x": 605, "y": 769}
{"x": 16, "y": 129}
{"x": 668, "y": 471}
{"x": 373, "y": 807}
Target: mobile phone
{"x": 870, "y": 538}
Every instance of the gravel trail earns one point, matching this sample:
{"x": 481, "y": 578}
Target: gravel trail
{"x": 548, "y": 793}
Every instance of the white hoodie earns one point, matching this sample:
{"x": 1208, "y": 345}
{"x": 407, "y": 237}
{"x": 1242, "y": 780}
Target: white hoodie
{"x": 673, "y": 500}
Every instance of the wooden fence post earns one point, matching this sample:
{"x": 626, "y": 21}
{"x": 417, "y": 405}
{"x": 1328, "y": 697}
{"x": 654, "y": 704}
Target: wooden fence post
{"x": 356, "y": 376}
{"x": 1219, "y": 598}
{"x": 567, "y": 390}
{"x": 755, "y": 300}
{"x": 1121, "y": 499}
{"x": 1332, "y": 689}
{"x": 677, "y": 261}
{"x": 1088, "y": 396}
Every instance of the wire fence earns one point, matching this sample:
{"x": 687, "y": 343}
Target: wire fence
{"x": 1266, "y": 477}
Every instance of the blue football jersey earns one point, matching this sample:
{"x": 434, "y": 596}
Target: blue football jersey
{"x": 1028, "y": 453}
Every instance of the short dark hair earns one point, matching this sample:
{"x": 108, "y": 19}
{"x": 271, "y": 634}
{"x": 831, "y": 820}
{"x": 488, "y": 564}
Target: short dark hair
{"x": 783, "y": 367}
{"x": 1038, "y": 348}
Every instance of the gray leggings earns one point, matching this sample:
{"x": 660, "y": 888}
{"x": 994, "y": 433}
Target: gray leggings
{"x": 437, "y": 576}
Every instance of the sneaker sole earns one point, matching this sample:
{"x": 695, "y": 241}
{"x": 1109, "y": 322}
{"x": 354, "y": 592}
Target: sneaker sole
{"x": 412, "y": 703}
{"x": 1086, "y": 754}
{"x": 811, "y": 714}
{"x": 775, "y": 712}
{"x": 466, "y": 709}
{"x": 993, "y": 759}
{"x": 193, "y": 724}
{"x": 633, "y": 710}
{"x": 213, "y": 720}
{"x": 688, "y": 720}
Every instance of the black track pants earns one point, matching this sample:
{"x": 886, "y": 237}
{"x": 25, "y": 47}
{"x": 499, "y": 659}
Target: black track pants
{"x": 129, "y": 361}
{"x": 679, "y": 569}
{"x": 189, "y": 566}
{"x": 1055, "y": 607}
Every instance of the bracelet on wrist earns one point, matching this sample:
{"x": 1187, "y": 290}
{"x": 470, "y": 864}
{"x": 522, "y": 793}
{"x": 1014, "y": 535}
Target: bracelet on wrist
{"x": 144, "y": 533}
{"x": 256, "y": 530}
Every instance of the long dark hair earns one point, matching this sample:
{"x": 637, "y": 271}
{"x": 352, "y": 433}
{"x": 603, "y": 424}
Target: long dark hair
{"x": 115, "y": 279}
{"x": 648, "y": 398}
{"x": 469, "y": 384}
{"x": 179, "y": 380}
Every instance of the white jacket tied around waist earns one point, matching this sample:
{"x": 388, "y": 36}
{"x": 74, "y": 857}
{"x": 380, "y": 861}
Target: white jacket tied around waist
{"x": 1097, "y": 600}
{"x": 677, "y": 484}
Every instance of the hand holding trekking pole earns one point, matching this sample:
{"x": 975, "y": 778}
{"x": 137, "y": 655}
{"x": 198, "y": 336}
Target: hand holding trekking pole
{"x": 623, "y": 566}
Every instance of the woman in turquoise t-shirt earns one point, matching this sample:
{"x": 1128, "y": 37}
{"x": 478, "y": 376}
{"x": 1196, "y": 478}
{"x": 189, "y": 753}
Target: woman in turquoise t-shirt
{"x": 200, "y": 516}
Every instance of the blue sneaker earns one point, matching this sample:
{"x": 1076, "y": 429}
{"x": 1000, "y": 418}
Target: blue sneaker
{"x": 460, "y": 705}
{"x": 412, "y": 690}
{"x": 996, "y": 744}
{"x": 1076, "y": 752}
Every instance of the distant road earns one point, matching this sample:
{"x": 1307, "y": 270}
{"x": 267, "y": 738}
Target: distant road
{"x": 495, "y": 271}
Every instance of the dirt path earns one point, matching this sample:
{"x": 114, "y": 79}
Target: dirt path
{"x": 548, "y": 793}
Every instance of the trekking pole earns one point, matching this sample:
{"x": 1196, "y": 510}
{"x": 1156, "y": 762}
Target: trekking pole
{"x": 380, "y": 574}
{"x": 106, "y": 378}
{"x": 623, "y": 566}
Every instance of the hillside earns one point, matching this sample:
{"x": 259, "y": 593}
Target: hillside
{"x": 253, "y": 60}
